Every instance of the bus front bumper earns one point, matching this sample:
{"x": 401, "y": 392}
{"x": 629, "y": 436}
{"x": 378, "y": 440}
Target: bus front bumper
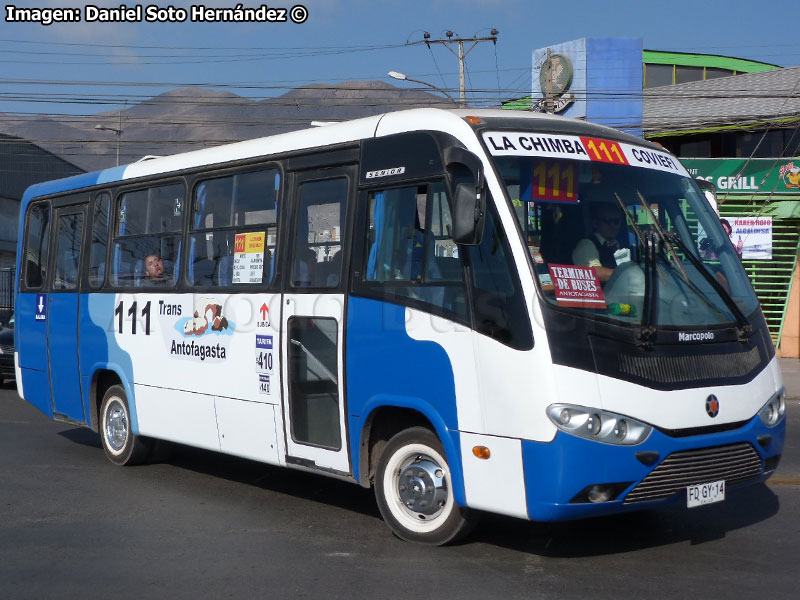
{"x": 573, "y": 478}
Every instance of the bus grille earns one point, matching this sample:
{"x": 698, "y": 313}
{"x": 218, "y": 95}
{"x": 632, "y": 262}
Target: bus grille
{"x": 679, "y": 369}
{"x": 735, "y": 464}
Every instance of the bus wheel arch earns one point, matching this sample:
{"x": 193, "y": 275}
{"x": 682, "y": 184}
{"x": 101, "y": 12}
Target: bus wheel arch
{"x": 382, "y": 424}
{"x": 102, "y": 379}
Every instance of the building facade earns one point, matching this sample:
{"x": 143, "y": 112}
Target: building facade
{"x": 22, "y": 164}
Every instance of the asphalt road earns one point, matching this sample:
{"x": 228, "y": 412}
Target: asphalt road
{"x": 203, "y": 525}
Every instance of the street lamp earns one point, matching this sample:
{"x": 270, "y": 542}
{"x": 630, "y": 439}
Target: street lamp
{"x": 116, "y": 130}
{"x": 404, "y": 77}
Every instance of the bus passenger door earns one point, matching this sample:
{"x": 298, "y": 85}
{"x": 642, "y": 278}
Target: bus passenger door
{"x": 312, "y": 321}
{"x": 62, "y": 313}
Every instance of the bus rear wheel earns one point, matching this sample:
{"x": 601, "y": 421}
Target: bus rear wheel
{"x": 121, "y": 446}
{"x": 414, "y": 491}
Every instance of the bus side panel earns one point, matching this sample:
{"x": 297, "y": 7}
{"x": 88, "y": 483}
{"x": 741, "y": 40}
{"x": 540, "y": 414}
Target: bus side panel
{"x": 178, "y": 416}
{"x": 31, "y": 340}
{"x": 386, "y": 367}
{"x": 247, "y": 429}
{"x": 99, "y": 350}
{"x": 496, "y": 484}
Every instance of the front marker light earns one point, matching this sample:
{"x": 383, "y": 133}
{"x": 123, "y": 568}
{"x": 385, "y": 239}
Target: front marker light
{"x": 774, "y": 410}
{"x": 598, "y": 425}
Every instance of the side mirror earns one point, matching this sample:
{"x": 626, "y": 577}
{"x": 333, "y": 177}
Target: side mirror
{"x": 469, "y": 214}
{"x": 710, "y": 192}
{"x": 469, "y": 199}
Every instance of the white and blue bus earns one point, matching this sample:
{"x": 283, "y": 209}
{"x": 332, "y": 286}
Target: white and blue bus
{"x": 466, "y": 310}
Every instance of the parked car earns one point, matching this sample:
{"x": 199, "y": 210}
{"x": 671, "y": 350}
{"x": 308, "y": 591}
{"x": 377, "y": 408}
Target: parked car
{"x": 7, "y": 351}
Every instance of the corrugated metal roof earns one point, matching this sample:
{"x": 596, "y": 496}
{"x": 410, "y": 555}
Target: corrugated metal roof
{"x": 741, "y": 100}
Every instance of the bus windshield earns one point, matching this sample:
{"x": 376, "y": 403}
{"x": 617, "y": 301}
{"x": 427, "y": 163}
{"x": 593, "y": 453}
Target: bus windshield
{"x": 636, "y": 245}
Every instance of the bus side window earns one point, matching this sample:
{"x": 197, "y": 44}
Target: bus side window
{"x": 318, "y": 239}
{"x": 148, "y": 222}
{"x": 498, "y": 305}
{"x": 100, "y": 222}
{"x": 234, "y": 219}
{"x": 69, "y": 238}
{"x": 410, "y": 252}
{"x": 37, "y": 242}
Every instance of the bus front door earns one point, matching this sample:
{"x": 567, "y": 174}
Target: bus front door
{"x": 312, "y": 323}
{"x": 62, "y": 317}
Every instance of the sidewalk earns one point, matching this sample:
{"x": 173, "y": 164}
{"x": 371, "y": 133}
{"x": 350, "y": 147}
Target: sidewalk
{"x": 790, "y": 367}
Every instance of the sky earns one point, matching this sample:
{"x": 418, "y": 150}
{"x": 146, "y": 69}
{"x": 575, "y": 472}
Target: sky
{"x": 90, "y": 67}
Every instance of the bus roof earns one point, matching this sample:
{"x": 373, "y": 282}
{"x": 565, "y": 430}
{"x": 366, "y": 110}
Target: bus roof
{"x": 447, "y": 120}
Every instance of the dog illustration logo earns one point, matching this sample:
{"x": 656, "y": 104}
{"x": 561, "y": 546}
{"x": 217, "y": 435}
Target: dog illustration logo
{"x": 207, "y": 315}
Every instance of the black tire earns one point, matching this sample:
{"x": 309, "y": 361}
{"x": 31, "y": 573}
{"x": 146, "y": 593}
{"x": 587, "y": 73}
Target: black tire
{"x": 121, "y": 446}
{"x": 414, "y": 491}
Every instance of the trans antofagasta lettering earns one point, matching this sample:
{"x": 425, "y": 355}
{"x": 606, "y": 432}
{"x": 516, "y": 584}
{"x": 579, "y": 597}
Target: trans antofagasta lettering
{"x": 201, "y": 351}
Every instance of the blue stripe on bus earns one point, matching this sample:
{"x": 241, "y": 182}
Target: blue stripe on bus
{"x": 386, "y": 367}
{"x": 100, "y": 351}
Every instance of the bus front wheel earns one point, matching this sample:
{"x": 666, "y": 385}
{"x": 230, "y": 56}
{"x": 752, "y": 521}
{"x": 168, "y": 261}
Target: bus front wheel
{"x": 414, "y": 491}
{"x": 121, "y": 446}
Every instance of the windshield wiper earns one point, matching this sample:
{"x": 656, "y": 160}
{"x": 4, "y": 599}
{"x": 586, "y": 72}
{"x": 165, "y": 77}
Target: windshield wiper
{"x": 646, "y": 331}
{"x": 663, "y": 236}
{"x": 744, "y": 329}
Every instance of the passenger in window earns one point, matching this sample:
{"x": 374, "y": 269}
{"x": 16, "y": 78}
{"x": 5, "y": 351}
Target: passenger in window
{"x": 602, "y": 249}
{"x": 154, "y": 272}
{"x": 333, "y": 268}
{"x": 304, "y": 266}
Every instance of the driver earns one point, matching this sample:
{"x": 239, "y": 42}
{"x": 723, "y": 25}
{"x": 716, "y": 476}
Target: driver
{"x": 598, "y": 249}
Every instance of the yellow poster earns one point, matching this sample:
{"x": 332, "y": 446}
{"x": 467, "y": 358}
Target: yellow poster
{"x": 248, "y": 258}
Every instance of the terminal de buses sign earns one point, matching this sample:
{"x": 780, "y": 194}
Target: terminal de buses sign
{"x": 740, "y": 176}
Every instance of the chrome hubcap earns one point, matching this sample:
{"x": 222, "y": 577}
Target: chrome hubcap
{"x": 421, "y": 487}
{"x": 116, "y": 425}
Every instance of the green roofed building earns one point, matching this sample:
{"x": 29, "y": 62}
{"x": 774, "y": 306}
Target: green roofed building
{"x": 668, "y": 68}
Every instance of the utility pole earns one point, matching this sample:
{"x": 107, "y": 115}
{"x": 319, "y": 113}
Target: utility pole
{"x": 548, "y": 89}
{"x": 460, "y": 54}
{"x": 115, "y": 130}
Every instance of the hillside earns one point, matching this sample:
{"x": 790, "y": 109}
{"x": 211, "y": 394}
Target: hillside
{"x": 189, "y": 118}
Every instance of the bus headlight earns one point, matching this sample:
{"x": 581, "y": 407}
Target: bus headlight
{"x": 774, "y": 410}
{"x": 598, "y": 425}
